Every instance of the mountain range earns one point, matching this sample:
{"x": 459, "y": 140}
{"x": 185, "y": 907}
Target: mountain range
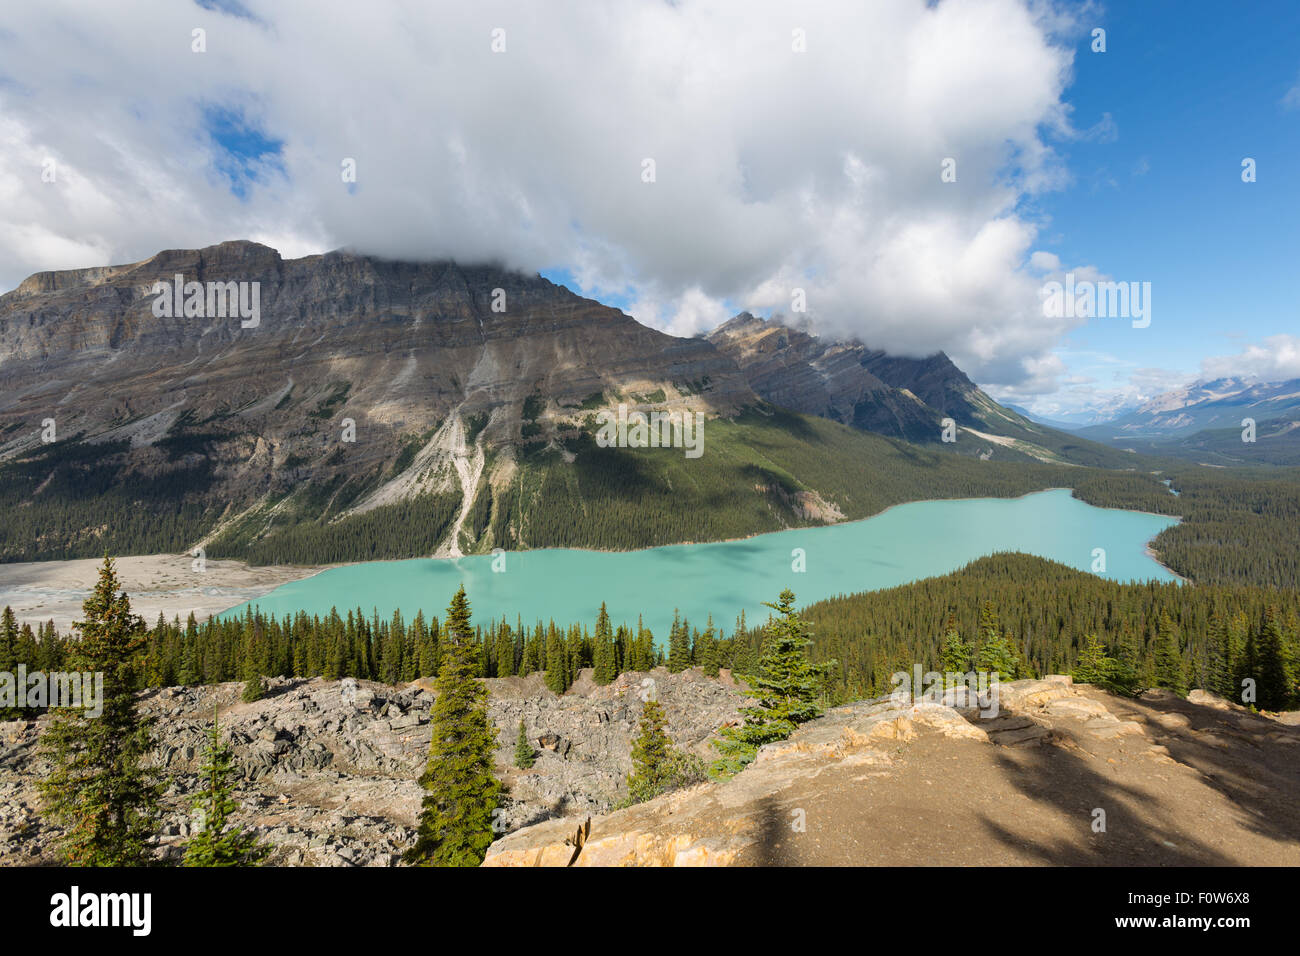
{"x": 375, "y": 408}
{"x": 904, "y": 397}
{"x": 1204, "y": 421}
{"x": 1220, "y": 403}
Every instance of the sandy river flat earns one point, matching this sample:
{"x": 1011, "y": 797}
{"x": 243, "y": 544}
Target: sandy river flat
{"x": 53, "y": 590}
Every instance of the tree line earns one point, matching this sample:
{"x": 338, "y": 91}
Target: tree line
{"x": 1035, "y": 617}
{"x": 73, "y": 499}
{"x": 391, "y": 650}
{"x": 104, "y": 798}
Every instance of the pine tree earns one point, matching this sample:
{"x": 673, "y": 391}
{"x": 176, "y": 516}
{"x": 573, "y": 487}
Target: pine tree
{"x": 557, "y": 678}
{"x": 1274, "y": 687}
{"x": 997, "y": 655}
{"x": 9, "y": 659}
{"x": 679, "y": 646}
{"x": 650, "y": 752}
{"x": 605, "y": 664}
{"x": 786, "y": 687}
{"x": 657, "y": 766}
{"x": 213, "y": 844}
{"x": 525, "y": 755}
{"x": 1169, "y": 669}
{"x": 707, "y": 650}
{"x": 254, "y": 689}
{"x": 954, "y": 657}
{"x": 97, "y": 790}
{"x": 461, "y": 788}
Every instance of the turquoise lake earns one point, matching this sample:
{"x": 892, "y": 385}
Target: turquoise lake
{"x": 906, "y": 543}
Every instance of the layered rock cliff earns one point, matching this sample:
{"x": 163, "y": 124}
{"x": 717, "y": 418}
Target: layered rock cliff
{"x": 829, "y": 379}
{"x": 341, "y": 407}
{"x": 358, "y": 383}
{"x": 897, "y": 396}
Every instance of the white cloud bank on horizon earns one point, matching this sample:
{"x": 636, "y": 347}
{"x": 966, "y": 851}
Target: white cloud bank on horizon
{"x": 775, "y": 169}
{"x": 1275, "y": 359}
{"x": 1115, "y": 384}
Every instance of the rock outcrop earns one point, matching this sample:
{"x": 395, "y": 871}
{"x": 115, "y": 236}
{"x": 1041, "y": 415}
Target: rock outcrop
{"x": 796, "y": 370}
{"x": 897, "y": 782}
{"x": 892, "y": 395}
{"x": 328, "y": 769}
{"x": 1060, "y": 774}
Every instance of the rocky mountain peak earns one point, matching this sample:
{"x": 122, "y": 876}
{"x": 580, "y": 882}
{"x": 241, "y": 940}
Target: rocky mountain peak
{"x": 398, "y": 377}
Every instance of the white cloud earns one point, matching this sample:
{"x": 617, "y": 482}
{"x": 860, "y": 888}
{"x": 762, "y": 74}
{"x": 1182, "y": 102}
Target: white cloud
{"x": 1116, "y": 383}
{"x": 1276, "y": 359}
{"x": 775, "y": 169}
{"x": 1091, "y": 383}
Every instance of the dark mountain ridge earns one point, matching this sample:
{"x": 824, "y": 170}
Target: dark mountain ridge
{"x": 374, "y": 408}
{"x": 898, "y": 396}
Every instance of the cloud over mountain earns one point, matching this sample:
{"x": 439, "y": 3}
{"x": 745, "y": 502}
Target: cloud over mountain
{"x": 774, "y": 169}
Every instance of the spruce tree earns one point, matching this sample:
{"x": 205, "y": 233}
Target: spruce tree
{"x": 1169, "y": 669}
{"x": 1274, "y": 687}
{"x": 707, "y": 650}
{"x": 787, "y": 688}
{"x": 461, "y": 788}
{"x": 212, "y": 844}
{"x": 1217, "y": 673}
{"x": 679, "y": 646}
{"x": 997, "y": 655}
{"x": 557, "y": 678}
{"x": 525, "y": 755}
{"x": 191, "y": 671}
{"x": 650, "y": 751}
{"x": 531, "y": 660}
{"x": 9, "y": 656}
{"x": 954, "y": 657}
{"x": 97, "y": 791}
{"x": 605, "y": 663}
{"x": 504, "y": 651}
{"x": 657, "y": 766}
{"x": 254, "y": 689}
{"x": 1095, "y": 666}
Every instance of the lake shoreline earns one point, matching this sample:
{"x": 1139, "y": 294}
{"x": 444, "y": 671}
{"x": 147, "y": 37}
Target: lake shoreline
{"x": 245, "y": 584}
{"x": 932, "y": 538}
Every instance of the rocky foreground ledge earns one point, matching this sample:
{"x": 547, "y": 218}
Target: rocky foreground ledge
{"x": 328, "y": 769}
{"x": 328, "y": 778}
{"x": 1064, "y": 774}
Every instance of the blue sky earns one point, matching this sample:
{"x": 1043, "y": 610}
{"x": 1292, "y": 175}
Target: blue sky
{"x": 778, "y": 168}
{"x": 1182, "y": 94}
{"x": 244, "y": 154}
{"x": 1191, "y": 89}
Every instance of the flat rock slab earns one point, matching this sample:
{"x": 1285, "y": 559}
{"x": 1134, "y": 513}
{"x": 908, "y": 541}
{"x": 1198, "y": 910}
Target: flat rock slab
{"x": 934, "y": 791}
